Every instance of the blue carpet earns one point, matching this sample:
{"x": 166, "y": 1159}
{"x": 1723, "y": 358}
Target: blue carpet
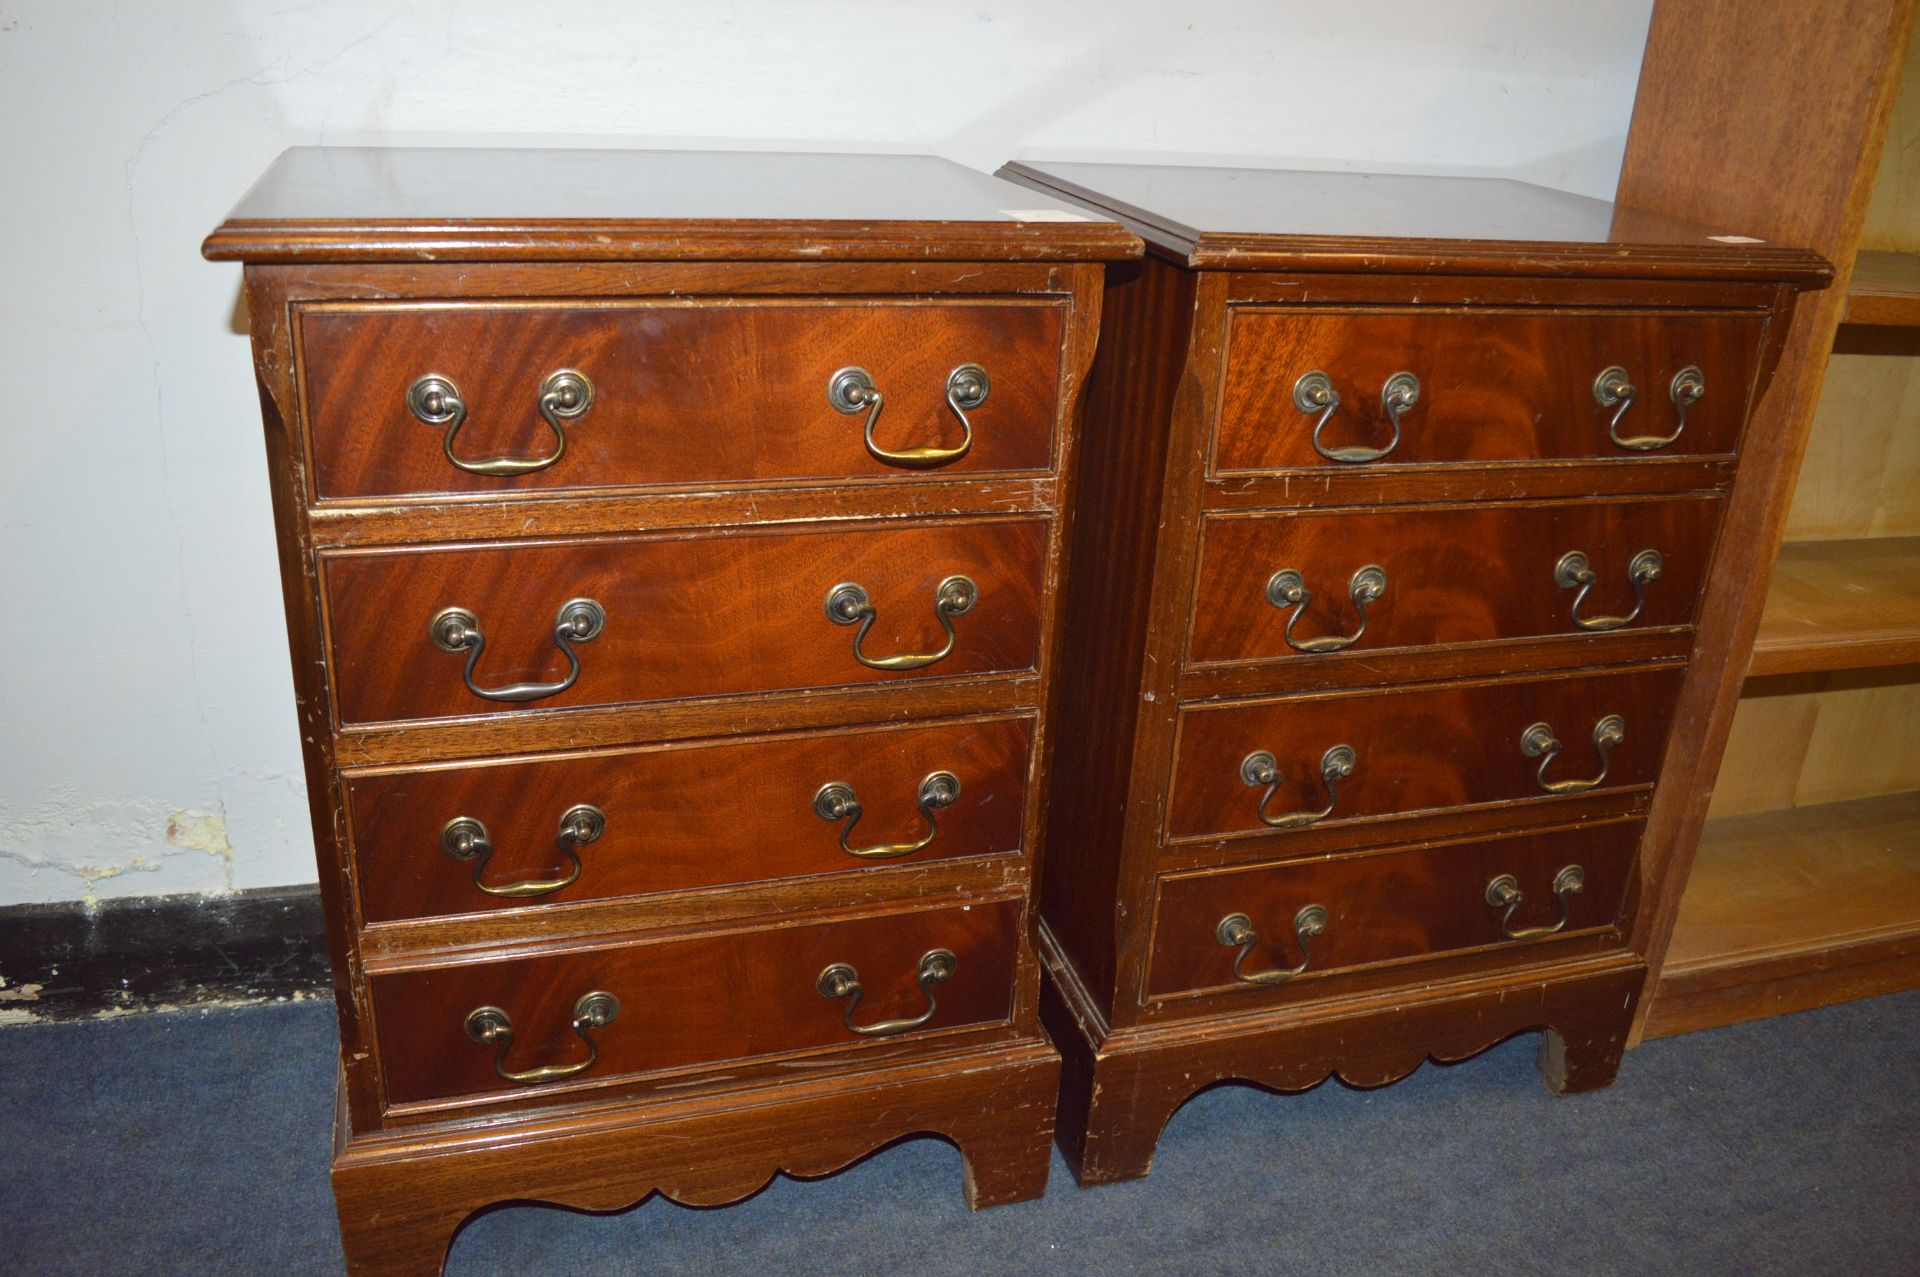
{"x": 197, "y": 1142}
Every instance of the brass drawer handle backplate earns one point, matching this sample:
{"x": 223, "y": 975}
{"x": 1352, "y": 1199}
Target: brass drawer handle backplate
{"x": 1573, "y": 572}
{"x": 841, "y": 981}
{"x": 455, "y": 629}
{"x": 564, "y": 396}
{"x": 1261, "y": 768}
{"x": 1504, "y": 893}
{"x": 1538, "y": 741}
{"x": 1287, "y": 588}
{"x": 1314, "y": 393}
{"x": 465, "y": 838}
{"x": 1237, "y": 929}
{"x": 836, "y": 800}
{"x": 852, "y": 391}
{"x": 849, "y": 604}
{"x": 489, "y": 1026}
{"x": 1613, "y": 389}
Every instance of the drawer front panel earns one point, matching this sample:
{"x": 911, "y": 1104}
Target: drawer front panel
{"x": 710, "y": 392}
{"x": 1494, "y": 385}
{"x": 1385, "y": 906}
{"x": 1465, "y": 574}
{"x": 676, "y": 818}
{"x": 688, "y": 1002}
{"x": 711, "y": 615}
{"x": 1416, "y": 749}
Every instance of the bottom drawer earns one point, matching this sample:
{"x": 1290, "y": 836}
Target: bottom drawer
{"x": 1248, "y": 928}
{"x": 461, "y": 1029}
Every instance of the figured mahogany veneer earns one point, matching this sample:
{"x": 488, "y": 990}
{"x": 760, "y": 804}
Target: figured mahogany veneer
{"x": 683, "y": 817}
{"x": 724, "y": 390}
{"x": 1455, "y": 574}
{"x": 708, "y": 1000}
{"x": 713, "y": 615}
{"x": 1392, "y": 906}
{"x": 708, "y": 500}
{"x": 1194, "y": 711}
{"x": 1418, "y": 749}
{"x": 1496, "y": 384}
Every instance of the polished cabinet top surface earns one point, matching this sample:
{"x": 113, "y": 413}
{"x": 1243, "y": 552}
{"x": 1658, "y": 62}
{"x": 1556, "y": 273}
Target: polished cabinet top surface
{"x": 453, "y": 203}
{"x": 1287, "y": 219}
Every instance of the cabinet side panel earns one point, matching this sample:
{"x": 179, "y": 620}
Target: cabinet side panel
{"x": 268, "y": 291}
{"x": 1123, "y": 456}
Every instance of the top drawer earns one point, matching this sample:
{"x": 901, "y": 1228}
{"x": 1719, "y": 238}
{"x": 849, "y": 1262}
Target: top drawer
{"x": 713, "y": 391}
{"x": 1485, "y": 386}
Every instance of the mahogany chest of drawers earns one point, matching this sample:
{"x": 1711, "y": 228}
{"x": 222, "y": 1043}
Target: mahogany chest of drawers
{"x": 1399, "y": 500}
{"x": 671, "y": 548}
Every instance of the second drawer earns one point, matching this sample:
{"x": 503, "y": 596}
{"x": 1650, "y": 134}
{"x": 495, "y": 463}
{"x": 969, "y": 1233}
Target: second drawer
{"x": 1291, "y": 763}
{"x": 1290, "y": 586}
{"x": 440, "y": 631}
{"x": 470, "y": 837}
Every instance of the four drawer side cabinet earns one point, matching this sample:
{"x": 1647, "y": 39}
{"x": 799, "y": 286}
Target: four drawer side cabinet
{"x": 672, "y": 549}
{"x": 1400, "y": 496}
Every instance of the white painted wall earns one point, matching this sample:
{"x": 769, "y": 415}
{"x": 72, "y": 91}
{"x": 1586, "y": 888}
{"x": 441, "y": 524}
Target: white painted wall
{"x": 147, "y": 739}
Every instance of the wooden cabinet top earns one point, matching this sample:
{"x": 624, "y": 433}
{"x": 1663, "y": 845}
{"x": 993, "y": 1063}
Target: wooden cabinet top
{"x": 1277, "y": 219}
{"x": 350, "y": 204}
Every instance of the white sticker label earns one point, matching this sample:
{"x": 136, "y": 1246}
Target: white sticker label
{"x": 1735, "y": 239}
{"x": 1043, "y": 215}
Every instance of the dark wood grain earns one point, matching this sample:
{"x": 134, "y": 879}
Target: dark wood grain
{"x": 463, "y": 204}
{"x": 485, "y": 733}
{"x": 1383, "y": 908}
{"x": 1281, "y": 220}
{"x": 683, "y": 817}
{"x": 1500, "y": 298}
{"x": 687, "y": 1002}
{"x": 1495, "y": 385}
{"x": 1419, "y": 749}
{"x": 729, "y": 390}
{"x": 709, "y": 615}
{"x": 947, "y": 880}
{"x": 1772, "y": 118}
{"x": 344, "y": 525}
{"x": 403, "y": 1195}
{"x": 718, "y": 515}
{"x": 300, "y": 596}
{"x": 1329, "y": 838}
{"x": 1118, "y": 1089}
{"x": 1455, "y": 574}
{"x": 1147, "y": 306}
{"x": 1329, "y": 488}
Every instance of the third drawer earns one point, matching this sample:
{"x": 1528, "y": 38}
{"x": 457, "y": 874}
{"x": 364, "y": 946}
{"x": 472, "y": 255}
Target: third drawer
{"x": 445, "y": 630}
{"x": 459, "y": 838}
{"x": 1291, "y": 763}
{"x": 1289, "y": 586}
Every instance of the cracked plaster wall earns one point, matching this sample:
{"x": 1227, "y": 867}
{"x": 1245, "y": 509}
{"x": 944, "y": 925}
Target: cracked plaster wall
{"x": 147, "y": 739}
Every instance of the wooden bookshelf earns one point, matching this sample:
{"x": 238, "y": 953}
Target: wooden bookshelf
{"x": 1885, "y": 289}
{"x": 1837, "y": 605}
{"x": 1784, "y": 872}
{"x": 1787, "y": 910}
